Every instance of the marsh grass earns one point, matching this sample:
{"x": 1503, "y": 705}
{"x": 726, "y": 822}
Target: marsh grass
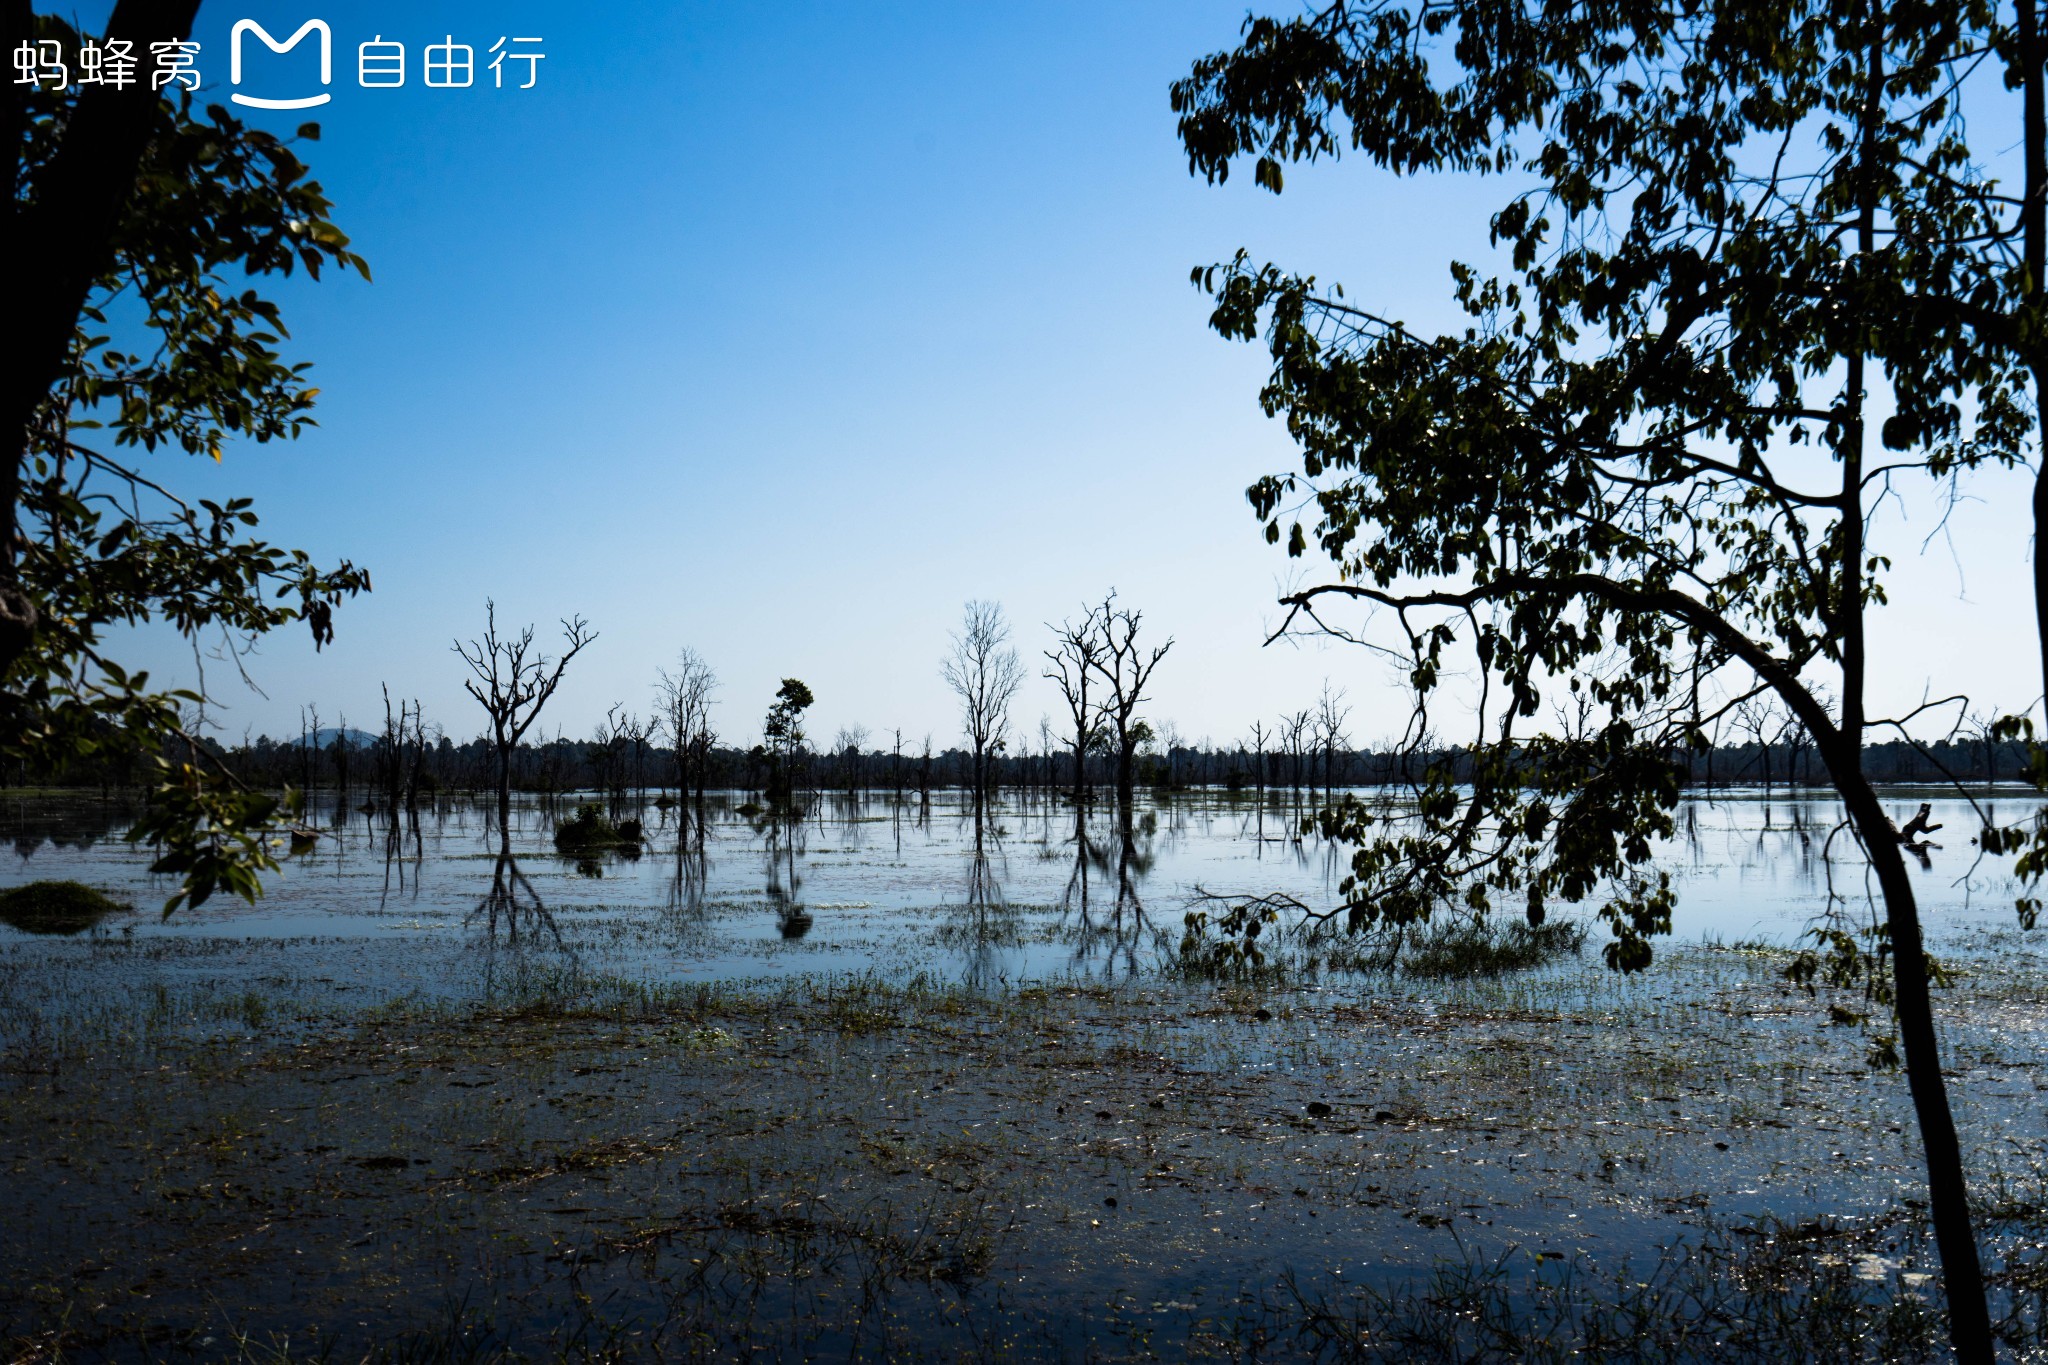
{"x": 1767, "y": 1294}
{"x": 827, "y": 1186}
{"x": 1468, "y": 948}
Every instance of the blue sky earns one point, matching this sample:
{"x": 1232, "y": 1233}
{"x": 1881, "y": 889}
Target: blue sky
{"x": 781, "y": 331}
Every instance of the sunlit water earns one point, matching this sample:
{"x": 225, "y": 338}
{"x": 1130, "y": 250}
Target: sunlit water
{"x": 890, "y": 884}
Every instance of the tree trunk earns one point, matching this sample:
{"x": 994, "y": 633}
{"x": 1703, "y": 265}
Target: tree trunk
{"x": 2034, "y": 250}
{"x": 1947, "y": 1190}
{"x": 505, "y": 790}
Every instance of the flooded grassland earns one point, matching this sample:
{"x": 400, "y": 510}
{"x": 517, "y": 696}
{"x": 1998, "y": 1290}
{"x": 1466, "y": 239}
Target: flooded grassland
{"x": 873, "y": 1088}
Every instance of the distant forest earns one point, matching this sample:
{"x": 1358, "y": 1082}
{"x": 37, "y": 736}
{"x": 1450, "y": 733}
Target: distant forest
{"x": 406, "y": 763}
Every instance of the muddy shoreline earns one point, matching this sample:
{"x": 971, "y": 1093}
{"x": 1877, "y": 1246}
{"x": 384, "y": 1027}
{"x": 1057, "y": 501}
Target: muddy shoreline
{"x": 842, "y": 1166}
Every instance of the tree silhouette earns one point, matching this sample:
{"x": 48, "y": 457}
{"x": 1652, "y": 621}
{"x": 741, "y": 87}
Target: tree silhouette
{"x": 512, "y": 683}
{"x": 126, "y": 192}
{"x": 1604, "y": 474}
{"x": 1125, "y": 669}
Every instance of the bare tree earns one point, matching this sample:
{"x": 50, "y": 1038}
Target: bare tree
{"x": 618, "y": 748}
{"x": 1260, "y": 738}
{"x": 1169, "y": 738}
{"x": 512, "y": 683}
{"x": 1981, "y": 728}
{"x": 685, "y": 699}
{"x": 1124, "y": 668}
{"x": 398, "y": 754}
{"x": 1759, "y": 718}
{"x": 1295, "y": 725}
{"x": 986, "y": 674}
{"x": 1331, "y": 713}
{"x": 849, "y": 744}
{"x": 1073, "y": 661}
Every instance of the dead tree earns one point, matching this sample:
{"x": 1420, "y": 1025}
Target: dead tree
{"x": 851, "y": 741}
{"x": 1331, "y": 713}
{"x": 1759, "y": 718}
{"x": 512, "y": 683}
{"x": 1124, "y": 668}
{"x": 685, "y": 697}
{"x": 1295, "y": 726}
{"x": 986, "y": 673}
{"x": 1073, "y": 661}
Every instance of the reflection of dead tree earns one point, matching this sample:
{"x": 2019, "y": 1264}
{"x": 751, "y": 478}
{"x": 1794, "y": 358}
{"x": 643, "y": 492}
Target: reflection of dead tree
{"x": 984, "y": 893}
{"x": 1118, "y": 936}
{"x": 692, "y": 872}
{"x": 1125, "y": 669}
{"x": 512, "y": 684}
{"x": 988, "y": 926}
{"x": 512, "y": 907}
{"x": 1132, "y": 865}
{"x": 1075, "y": 897}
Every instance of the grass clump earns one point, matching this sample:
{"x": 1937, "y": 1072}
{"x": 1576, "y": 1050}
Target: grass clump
{"x": 57, "y": 907}
{"x": 1488, "y": 947}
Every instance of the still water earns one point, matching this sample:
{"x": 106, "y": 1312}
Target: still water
{"x": 890, "y": 885}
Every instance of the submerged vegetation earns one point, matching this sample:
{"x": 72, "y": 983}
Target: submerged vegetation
{"x": 1558, "y": 1165}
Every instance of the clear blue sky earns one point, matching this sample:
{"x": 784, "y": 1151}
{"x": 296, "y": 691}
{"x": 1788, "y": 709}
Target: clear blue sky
{"x": 780, "y": 331}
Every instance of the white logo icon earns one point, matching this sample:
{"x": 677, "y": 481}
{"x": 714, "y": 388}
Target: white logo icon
{"x": 326, "y": 62}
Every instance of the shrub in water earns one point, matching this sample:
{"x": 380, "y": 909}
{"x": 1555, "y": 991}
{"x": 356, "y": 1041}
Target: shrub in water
{"x": 56, "y": 907}
{"x": 588, "y": 828}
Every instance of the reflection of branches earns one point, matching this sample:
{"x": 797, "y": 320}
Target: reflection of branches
{"x": 988, "y": 922}
{"x": 395, "y": 857}
{"x": 1118, "y": 936}
{"x": 512, "y": 907}
{"x": 693, "y": 866}
{"x": 1086, "y": 854}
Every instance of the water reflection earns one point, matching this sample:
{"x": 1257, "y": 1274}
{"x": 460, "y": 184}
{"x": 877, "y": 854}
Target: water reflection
{"x": 901, "y": 882}
{"x": 782, "y": 848}
{"x": 512, "y": 911}
{"x": 985, "y": 928}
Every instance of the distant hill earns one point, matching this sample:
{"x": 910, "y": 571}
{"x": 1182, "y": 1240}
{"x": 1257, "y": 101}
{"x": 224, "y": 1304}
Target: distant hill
{"x": 324, "y": 738}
